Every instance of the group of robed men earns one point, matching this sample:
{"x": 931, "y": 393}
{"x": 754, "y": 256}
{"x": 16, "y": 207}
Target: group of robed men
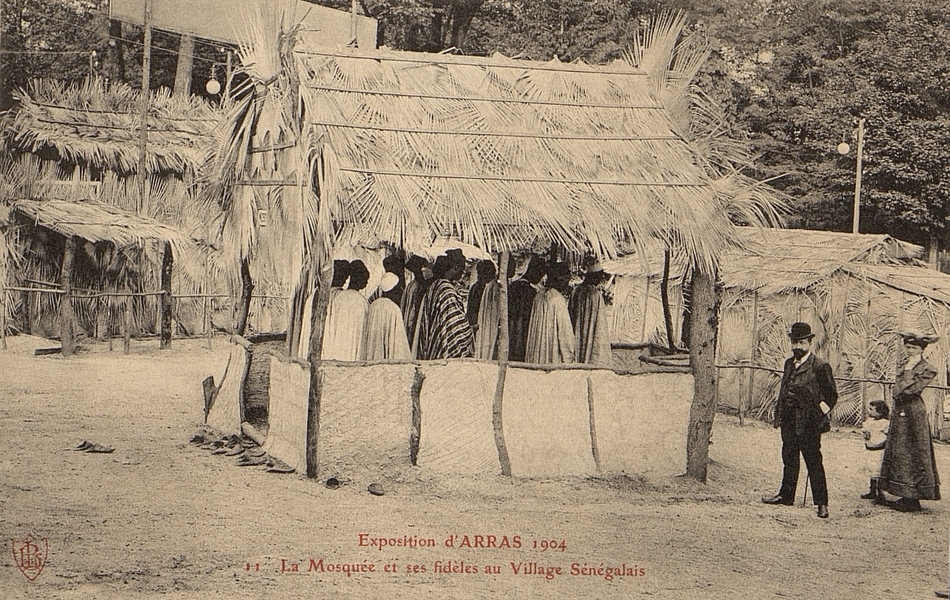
{"x": 429, "y": 318}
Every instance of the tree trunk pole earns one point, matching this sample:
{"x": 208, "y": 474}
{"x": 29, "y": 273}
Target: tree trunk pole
{"x": 143, "y": 131}
{"x": 127, "y": 325}
{"x": 753, "y": 354}
{"x": 665, "y": 298}
{"x": 321, "y": 301}
{"x": 67, "y": 317}
{"x": 166, "y": 298}
{"x": 503, "y": 346}
{"x": 244, "y": 307}
{"x": 186, "y": 57}
{"x": 704, "y": 327}
{"x": 646, "y": 307}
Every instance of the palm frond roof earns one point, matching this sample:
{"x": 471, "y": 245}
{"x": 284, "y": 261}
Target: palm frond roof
{"x": 96, "y": 222}
{"x": 501, "y": 153}
{"x": 775, "y": 261}
{"x": 99, "y": 126}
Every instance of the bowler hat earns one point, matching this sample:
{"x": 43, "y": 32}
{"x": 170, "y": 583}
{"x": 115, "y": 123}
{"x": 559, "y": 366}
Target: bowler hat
{"x": 918, "y": 339}
{"x": 800, "y": 331}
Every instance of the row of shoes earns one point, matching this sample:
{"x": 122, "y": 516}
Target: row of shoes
{"x": 94, "y": 448}
{"x": 247, "y": 451}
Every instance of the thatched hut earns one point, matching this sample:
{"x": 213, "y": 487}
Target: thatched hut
{"x": 856, "y": 290}
{"x": 72, "y": 240}
{"x": 347, "y": 146}
{"x": 82, "y": 142}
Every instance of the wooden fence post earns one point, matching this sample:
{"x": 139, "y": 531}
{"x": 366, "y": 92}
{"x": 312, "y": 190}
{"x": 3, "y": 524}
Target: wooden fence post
{"x": 127, "y": 325}
{"x": 503, "y": 345}
{"x": 165, "y": 300}
{"x": 67, "y": 316}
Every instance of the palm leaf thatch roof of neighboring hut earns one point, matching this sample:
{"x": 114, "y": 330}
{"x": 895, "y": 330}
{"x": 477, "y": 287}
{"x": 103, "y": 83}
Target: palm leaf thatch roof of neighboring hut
{"x": 780, "y": 260}
{"x": 98, "y": 125}
{"x": 504, "y": 154}
{"x": 97, "y": 222}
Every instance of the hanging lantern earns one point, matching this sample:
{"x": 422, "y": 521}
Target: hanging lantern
{"x": 213, "y": 86}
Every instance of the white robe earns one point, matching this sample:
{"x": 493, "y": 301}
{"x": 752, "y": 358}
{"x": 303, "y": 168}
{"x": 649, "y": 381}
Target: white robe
{"x": 384, "y": 336}
{"x": 550, "y": 335}
{"x": 486, "y": 337}
{"x": 343, "y": 329}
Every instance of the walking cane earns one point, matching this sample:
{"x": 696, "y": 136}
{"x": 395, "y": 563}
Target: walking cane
{"x": 805, "y": 495}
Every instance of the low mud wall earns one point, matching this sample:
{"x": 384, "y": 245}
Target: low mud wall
{"x": 226, "y": 411}
{"x": 377, "y": 420}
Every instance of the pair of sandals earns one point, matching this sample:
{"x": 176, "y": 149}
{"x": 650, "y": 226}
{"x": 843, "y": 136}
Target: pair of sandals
{"x": 93, "y": 448}
{"x": 257, "y": 457}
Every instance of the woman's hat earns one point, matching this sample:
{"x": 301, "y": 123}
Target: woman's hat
{"x": 915, "y": 338}
{"x": 800, "y": 331}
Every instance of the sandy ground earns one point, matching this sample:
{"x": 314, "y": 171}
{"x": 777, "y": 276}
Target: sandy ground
{"x": 160, "y": 517}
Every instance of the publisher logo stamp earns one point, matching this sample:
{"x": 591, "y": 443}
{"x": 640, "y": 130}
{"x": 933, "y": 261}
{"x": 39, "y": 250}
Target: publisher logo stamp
{"x": 30, "y": 555}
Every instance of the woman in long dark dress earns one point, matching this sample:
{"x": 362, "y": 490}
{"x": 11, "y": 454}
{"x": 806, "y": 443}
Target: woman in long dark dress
{"x": 909, "y": 469}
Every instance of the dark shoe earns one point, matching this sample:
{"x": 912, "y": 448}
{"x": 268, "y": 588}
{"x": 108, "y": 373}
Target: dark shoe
{"x": 100, "y": 449}
{"x": 942, "y": 594}
{"x": 822, "y": 511}
{"x": 874, "y": 490}
{"x": 778, "y": 500}
{"x": 279, "y": 466}
{"x": 906, "y": 505}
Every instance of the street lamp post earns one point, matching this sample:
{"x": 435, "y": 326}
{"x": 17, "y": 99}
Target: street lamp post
{"x": 844, "y": 148}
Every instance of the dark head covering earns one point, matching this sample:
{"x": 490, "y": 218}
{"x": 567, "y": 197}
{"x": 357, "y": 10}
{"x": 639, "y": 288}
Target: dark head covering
{"x": 416, "y": 263}
{"x": 800, "y": 331}
{"x": 535, "y": 269}
{"x": 341, "y": 270}
{"x": 456, "y": 257}
{"x": 559, "y": 276}
{"x": 486, "y": 270}
{"x": 359, "y": 275}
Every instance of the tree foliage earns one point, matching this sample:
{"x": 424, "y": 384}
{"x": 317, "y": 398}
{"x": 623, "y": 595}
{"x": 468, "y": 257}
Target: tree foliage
{"x": 791, "y": 76}
{"x": 803, "y": 73}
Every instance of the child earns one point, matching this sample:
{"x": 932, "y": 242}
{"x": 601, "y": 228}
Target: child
{"x": 874, "y": 430}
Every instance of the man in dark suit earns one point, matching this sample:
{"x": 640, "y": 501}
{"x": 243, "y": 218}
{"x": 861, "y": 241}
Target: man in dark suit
{"x": 806, "y": 396}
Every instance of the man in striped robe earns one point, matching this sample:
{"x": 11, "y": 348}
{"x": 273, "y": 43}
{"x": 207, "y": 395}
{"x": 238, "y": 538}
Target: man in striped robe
{"x": 443, "y": 330}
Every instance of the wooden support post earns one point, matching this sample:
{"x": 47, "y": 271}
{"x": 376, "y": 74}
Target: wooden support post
{"x": 665, "y": 299}
{"x": 704, "y": 330}
{"x": 3, "y": 317}
{"x": 753, "y": 354}
{"x": 646, "y": 305}
{"x": 127, "y": 325}
{"x": 503, "y": 346}
{"x": 321, "y": 301}
{"x": 867, "y": 350}
{"x": 143, "y": 124}
{"x": 67, "y": 317}
{"x": 111, "y": 311}
{"x": 207, "y": 305}
{"x": 247, "y": 289}
{"x": 166, "y": 298}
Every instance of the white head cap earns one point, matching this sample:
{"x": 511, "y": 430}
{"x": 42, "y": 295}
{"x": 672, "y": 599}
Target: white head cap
{"x": 388, "y": 281}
